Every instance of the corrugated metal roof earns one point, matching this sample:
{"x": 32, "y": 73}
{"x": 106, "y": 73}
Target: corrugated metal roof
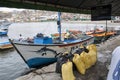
{"x": 75, "y": 6}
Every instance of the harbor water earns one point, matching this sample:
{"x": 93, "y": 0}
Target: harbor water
{"x": 11, "y": 64}
{"x": 47, "y": 28}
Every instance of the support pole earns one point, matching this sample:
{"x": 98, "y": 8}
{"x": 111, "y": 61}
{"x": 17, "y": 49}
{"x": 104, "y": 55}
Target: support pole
{"x": 106, "y": 28}
{"x": 59, "y": 25}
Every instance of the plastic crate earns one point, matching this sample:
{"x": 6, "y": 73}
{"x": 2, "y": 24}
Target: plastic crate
{"x": 44, "y": 40}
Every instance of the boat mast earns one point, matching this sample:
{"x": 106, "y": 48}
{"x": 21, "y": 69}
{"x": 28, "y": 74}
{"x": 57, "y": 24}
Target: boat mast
{"x": 106, "y": 27}
{"x": 59, "y": 25}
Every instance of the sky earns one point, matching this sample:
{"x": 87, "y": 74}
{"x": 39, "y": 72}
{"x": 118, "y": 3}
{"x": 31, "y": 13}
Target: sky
{"x": 9, "y": 9}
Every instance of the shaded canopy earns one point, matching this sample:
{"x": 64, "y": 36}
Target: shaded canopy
{"x": 74, "y": 6}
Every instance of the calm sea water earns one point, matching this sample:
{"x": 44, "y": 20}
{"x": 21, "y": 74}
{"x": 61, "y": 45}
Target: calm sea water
{"x": 11, "y": 64}
{"x": 47, "y": 28}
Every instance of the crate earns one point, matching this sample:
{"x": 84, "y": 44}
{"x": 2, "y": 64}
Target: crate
{"x": 38, "y": 40}
{"x": 45, "y": 40}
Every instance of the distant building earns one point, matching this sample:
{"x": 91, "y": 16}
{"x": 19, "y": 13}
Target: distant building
{"x": 42, "y": 18}
{"x": 115, "y": 19}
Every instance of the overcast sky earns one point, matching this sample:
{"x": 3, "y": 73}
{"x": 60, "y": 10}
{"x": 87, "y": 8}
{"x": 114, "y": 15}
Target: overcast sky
{"x": 9, "y": 9}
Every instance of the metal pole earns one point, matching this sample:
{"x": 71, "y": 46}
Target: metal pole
{"x": 59, "y": 25}
{"x": 106, "y": 28}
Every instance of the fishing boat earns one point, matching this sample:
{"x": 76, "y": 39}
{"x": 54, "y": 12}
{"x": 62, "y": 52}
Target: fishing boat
{"x": 100, "y": 35}
{"x": 4, "y": 27}
{"x": 5, "y": 45}
{"x": 98, "y": 38}
{"x": 4, "y": 24}
{"x": 96, "y": 31}
{"x": 3, "y": 32}
{"x": 43, "y": 50}
{"x": 69, "y": 33}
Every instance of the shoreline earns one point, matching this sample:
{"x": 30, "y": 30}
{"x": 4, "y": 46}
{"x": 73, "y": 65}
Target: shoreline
{"x": 109, "y": 23}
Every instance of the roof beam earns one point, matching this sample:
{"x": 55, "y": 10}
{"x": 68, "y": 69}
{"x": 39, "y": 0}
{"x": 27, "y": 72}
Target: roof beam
{"x": 80, "y": 3}
{"x": 57, "y": 1}
{"x": 114, "y": 6}
{"x": 116, "y": 10}
{"x": 112, "y": 1}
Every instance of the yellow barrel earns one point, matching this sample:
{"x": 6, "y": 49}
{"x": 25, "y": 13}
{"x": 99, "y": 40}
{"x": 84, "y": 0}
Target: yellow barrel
{"x": 89, "y": 58}
{"x": 79, "y": 64}
{"x": 67, "y": 71}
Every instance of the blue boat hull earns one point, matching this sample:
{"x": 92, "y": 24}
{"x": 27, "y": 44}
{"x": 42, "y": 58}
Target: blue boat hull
{"x": 40, "y": 62}
{"x": 3, "y": 33}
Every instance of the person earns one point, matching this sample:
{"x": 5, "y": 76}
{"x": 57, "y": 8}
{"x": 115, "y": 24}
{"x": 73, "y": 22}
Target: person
{"x": 20, "y": 37}
{"x": 30, "y": 40}
{"x": 67, "y": 35}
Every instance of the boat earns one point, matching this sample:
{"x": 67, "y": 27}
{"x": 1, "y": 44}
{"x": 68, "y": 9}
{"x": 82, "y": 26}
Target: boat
{"x": 4, "y": 27}
{"x": 100, "y": 35}
{"x": 43, "y": 50}
{"x": 96, "y": 31}
{"x": 5, "y": 45}
{"x": 69, "y": 33}
{"x": 98, "y": 38}
{"x": 3, "y": 32}
{"x": 4, "y": 24}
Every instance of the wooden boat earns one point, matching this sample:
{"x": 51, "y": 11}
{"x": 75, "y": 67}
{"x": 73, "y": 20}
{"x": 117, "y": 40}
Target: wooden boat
{"x": 5, "y": 45}
{"x": 101, "y": 36}
{"x": 69, "y": 33}
{"x": 98, "y": 38}
{"x": 75, "y": 32}
{"x": 104, "y": 34}
{"x": 44, "y": 50}
{"x": 96, "y": 31}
